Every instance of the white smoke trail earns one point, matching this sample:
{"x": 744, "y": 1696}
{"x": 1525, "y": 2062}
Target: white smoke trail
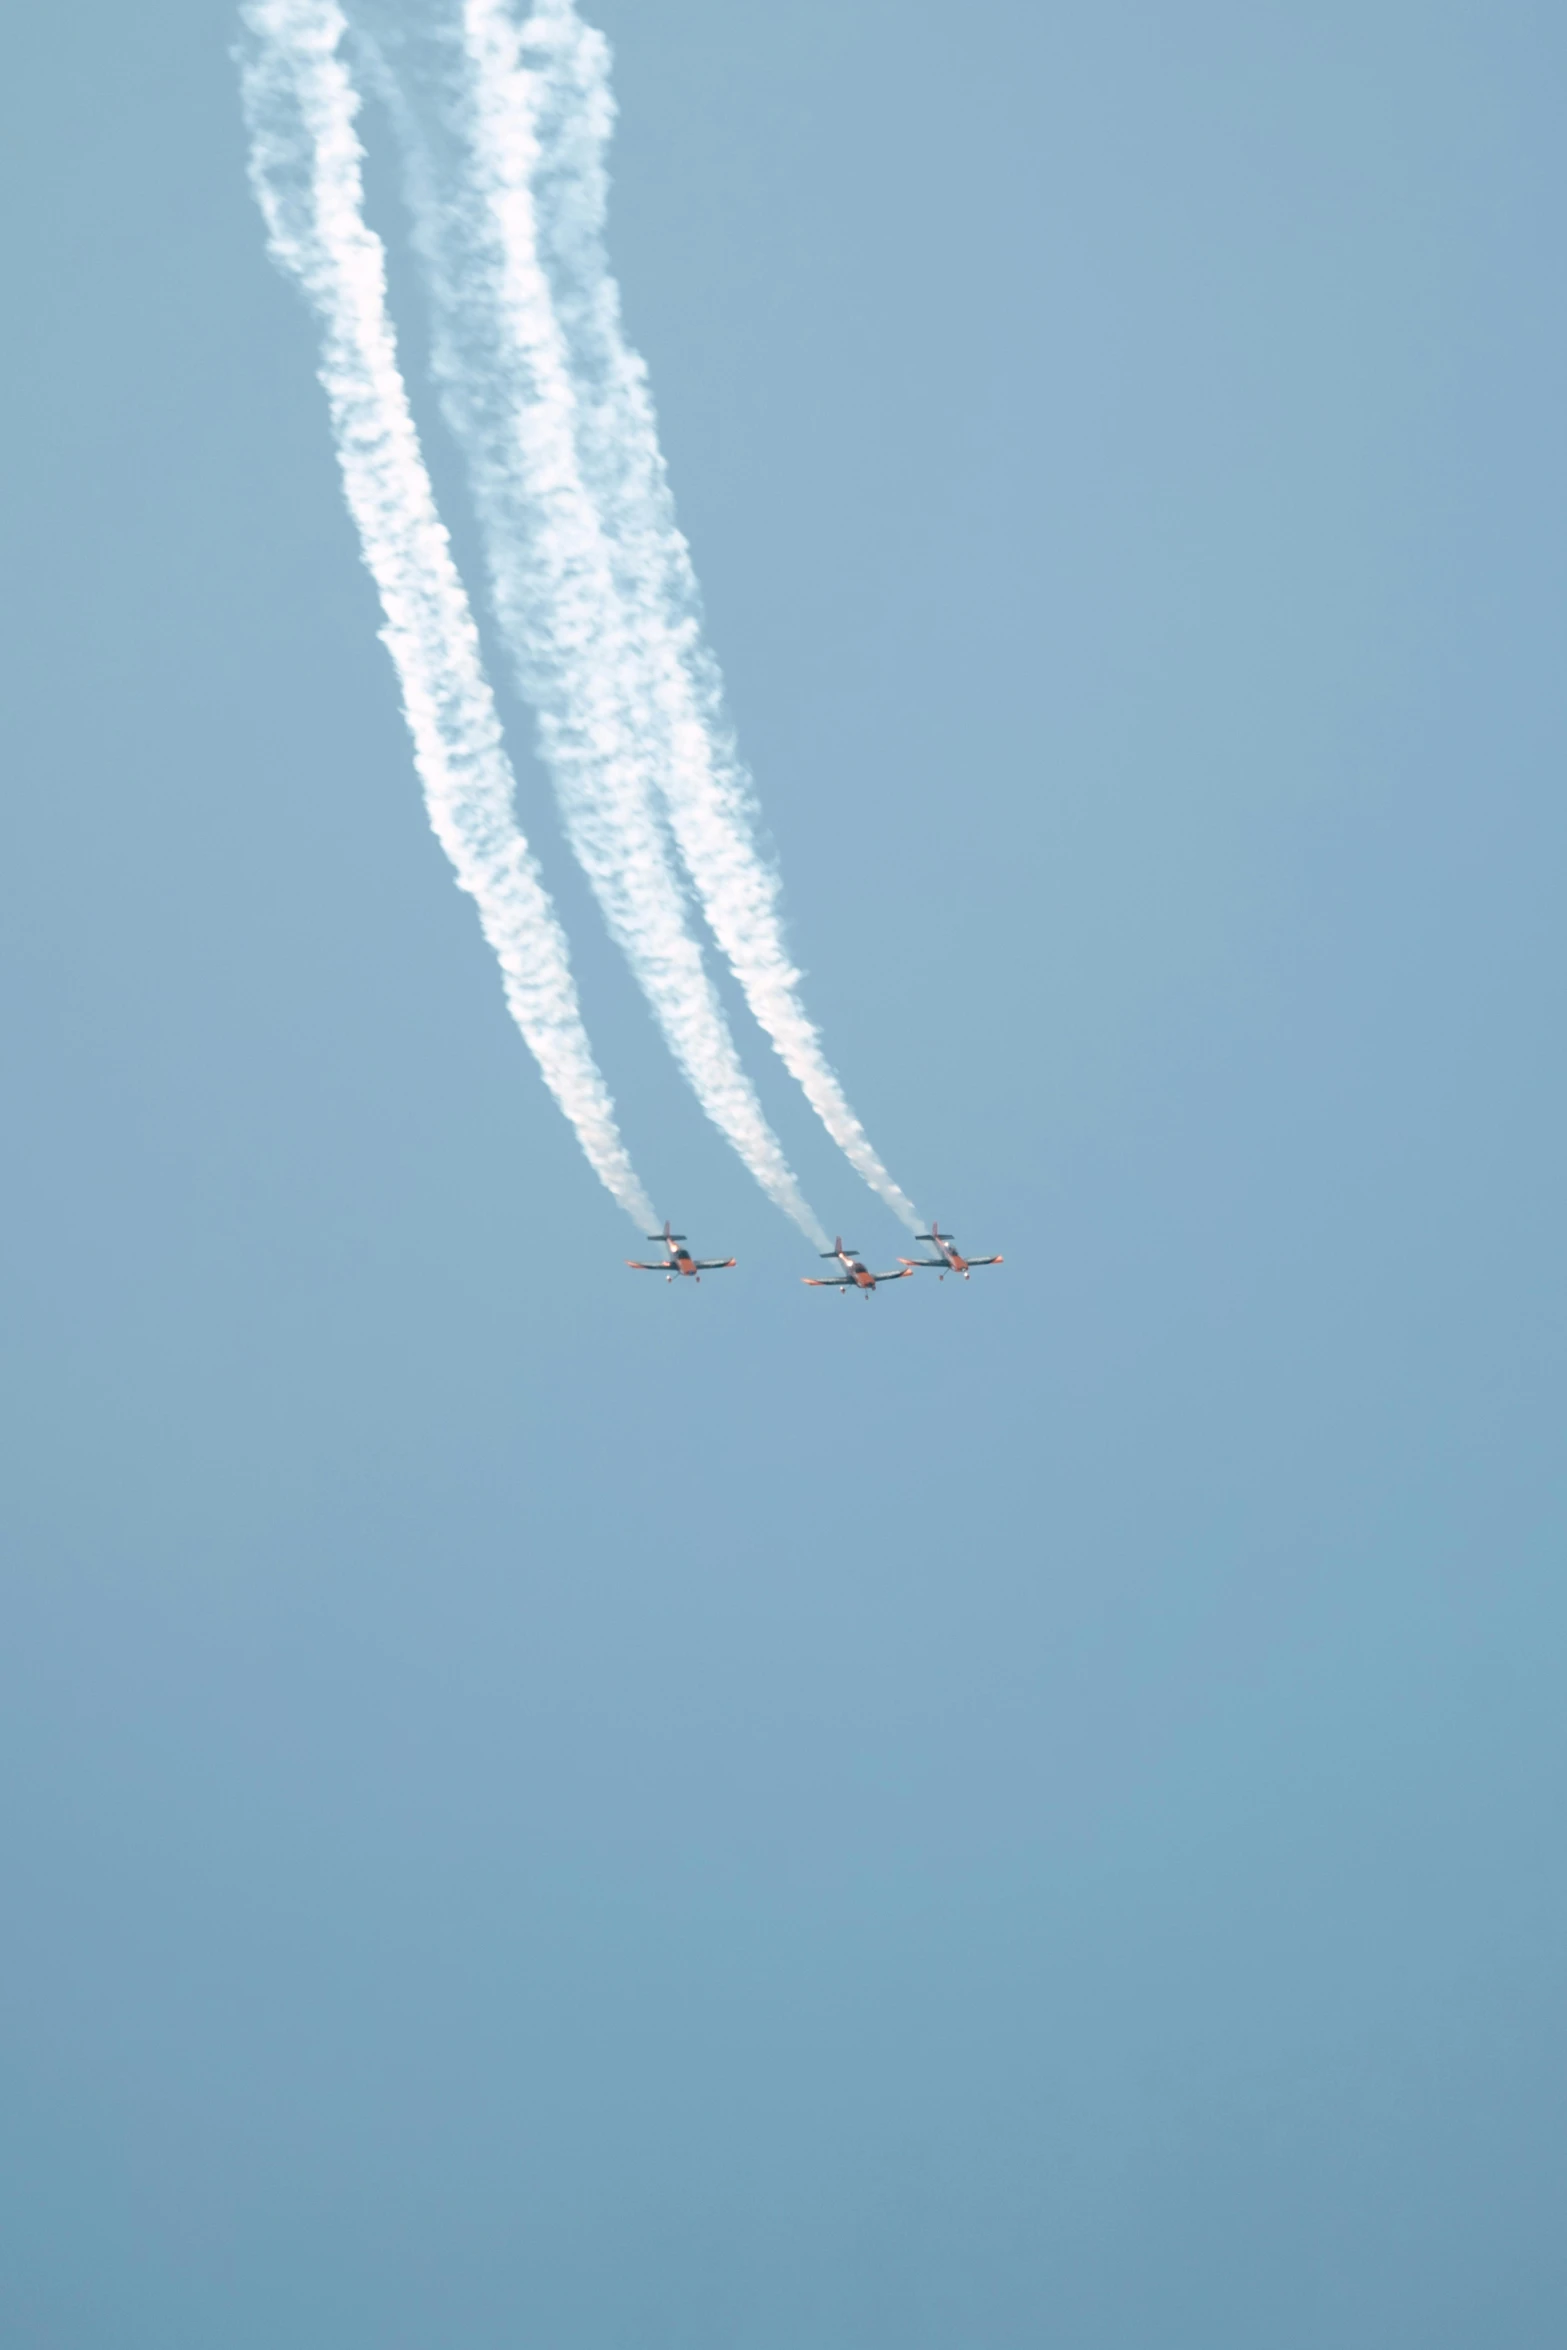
{"x": 306, "y": 170}
{"x": 558, "y": 118}
{"x": 505, "y": 385}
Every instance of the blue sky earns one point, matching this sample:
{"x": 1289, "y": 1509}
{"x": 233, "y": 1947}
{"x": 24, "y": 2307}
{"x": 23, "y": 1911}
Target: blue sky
{"x": 542, "y": 1809}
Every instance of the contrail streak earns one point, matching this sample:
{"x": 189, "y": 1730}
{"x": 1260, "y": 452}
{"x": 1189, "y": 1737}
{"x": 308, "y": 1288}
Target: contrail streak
{"x": 502, "y": 367}
{"x": 306, "y": 169}
{"x": 538, "y": 140}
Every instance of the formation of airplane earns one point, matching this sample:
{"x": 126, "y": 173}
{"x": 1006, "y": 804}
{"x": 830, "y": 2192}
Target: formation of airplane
{"x": 677, "y": 1258}
{"x": 949, "y": 1261}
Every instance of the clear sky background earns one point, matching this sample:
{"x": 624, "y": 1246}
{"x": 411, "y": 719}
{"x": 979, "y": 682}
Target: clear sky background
{"x": 540, "y": 1809}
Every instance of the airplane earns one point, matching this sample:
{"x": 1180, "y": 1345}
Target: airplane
{"x": 679, "y": 1259}
{"x": 854, "y": 1274}
{"x": 949, "y": 1260}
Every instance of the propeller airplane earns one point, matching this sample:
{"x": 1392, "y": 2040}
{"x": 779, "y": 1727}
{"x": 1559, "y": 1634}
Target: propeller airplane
{"x": 679, "y": 1259}
{"x": 949, "y": 1261}
{"x": 854, "y": 1274}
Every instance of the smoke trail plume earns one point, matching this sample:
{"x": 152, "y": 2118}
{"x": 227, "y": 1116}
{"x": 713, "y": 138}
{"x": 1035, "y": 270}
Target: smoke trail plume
{"x": 549, "y": 124}
{"x": 306, "y": 170}
{"x": 506, "y": 389}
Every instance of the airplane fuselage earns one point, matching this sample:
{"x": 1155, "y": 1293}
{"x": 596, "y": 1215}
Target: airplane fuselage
{"x": 859, "y": 1273}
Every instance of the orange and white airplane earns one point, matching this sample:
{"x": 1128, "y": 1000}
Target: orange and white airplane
{"x": 854, "y": 1274}
{"x": 949, "y": 1260}
{"x": 679, "y": 1258}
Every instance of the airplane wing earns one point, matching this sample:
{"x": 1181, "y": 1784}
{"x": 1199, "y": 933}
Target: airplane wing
{"x": 986, "y": 1260}
{"x": 714, "y": 1264}
{"x": 902, "y": 1274}
{"x": 936, "y": 1264}
{"x": 835, "y": 1281}
{"x": 636, "y": 1268}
